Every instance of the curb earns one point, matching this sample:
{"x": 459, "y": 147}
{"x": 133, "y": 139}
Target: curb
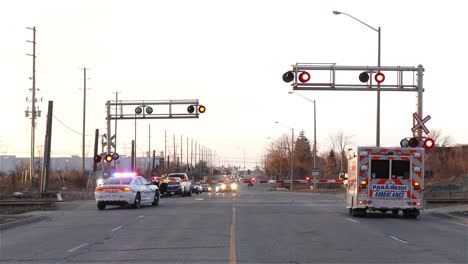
{"x": 21, "y": 222}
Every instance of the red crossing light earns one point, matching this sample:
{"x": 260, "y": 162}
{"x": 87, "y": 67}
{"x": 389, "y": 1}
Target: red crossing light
{"x": 97, "y": 158}
{"x": 109, "y": 158}
{"x": 304, "y": 77}
{"x": 379, "y": 77}
{"x": 201, "y": 109}
{"x": 429, "y": 144}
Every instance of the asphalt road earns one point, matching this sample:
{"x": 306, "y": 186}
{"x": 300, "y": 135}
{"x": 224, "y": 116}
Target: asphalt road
{"x": 256, "y": 226}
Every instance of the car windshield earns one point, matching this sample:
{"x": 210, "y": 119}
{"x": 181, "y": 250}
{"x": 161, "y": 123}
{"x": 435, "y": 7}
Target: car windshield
{"x": 178, "y": 175}
{"x": 118, "y": 181}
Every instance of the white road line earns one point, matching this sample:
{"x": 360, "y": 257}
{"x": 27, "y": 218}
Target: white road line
{"x": 78, "y": 247}
{"x": 352, "y": 220}
{"x": 141, "y": 216}
{"x": 117, "y": 228}
{"x": 199, "y": 199}
{"x": 399, "y": 240}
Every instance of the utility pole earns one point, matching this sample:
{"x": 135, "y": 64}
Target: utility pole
{"x": 84, "y": 126}
{"x": 165, "y": 148}
{"x": 134, "y": 146}
{"x": 187, "y": 155}
{"x": 175, "y": 150}
{"x": 181, "y": 154}
{"x": 191, "y": 155}
{"x": 115, "y": 126}
{"x": 149, "y": 147}
{"x": 34, "y": 113}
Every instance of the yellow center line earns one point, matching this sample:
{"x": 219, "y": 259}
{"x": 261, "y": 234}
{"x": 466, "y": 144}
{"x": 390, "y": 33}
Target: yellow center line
{"x": 232, "y": 242}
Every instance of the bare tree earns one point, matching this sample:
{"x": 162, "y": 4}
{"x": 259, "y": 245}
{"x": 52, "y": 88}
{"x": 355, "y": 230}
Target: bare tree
{"x": 279, "y": 156}
{"x": 339, "y": 143}
{"x": 440, "y": 139}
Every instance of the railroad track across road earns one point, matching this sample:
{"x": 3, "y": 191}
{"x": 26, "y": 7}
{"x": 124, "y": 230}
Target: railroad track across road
{"x": 27, "y": 202}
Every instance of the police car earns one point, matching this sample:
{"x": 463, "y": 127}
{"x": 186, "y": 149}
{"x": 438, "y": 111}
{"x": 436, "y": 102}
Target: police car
{"x": 126, "y": 189}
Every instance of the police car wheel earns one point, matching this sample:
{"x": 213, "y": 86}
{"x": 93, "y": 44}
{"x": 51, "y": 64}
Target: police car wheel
{"x": 101, "y": 206}
{"x": 156, "y": 199}
{"x": 137, "y": 202}
{"x": 395, "y": 212}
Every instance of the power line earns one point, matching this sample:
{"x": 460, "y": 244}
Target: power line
{"x": 71, "y": 129}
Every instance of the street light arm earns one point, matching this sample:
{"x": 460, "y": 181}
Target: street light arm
{"x": 339, "y": 13}
{"x": 283, "y": 125}
{"x": 313, "y": 101}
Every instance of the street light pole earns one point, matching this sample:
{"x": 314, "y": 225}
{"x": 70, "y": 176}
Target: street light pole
{"x": 377, "y": 140}
{"x": 292, "y": 152}
{"x": 315, "y": 125}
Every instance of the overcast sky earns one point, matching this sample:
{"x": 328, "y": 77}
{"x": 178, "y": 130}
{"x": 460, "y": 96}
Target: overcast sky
{"x": 230, "y": 55}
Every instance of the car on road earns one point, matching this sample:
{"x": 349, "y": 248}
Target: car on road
{"x": 196, "y": 188}
{"x": 174, "y": 188}
{"x": 126, "y": 189}
{"x": 186, "y": 183}
{"x": 226, "y": 187}
{"x": 205, "y": 187}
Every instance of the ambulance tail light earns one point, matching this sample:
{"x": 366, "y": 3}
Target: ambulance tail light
{"x": 360, "y": 202}
{"x": 364, "y": 184}
{"x": 418, "y": 203}
{"x": 416, "y": 185}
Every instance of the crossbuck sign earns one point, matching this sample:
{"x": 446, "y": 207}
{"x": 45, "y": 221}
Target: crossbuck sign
{"x": 420, "y": 123}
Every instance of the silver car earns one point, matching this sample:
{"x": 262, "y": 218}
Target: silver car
{"x": 126, "y": 189}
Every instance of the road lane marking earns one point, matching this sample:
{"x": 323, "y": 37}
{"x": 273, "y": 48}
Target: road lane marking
{"x": 199, "y": 199}
{"x": 399, "y": 240}
{"x": 141, "y": 216}
{"x": 117, "y": 228}
{"x": 78, "y": 247}
{"x": 232, "y": 242}
{"x": 352, "y": 220}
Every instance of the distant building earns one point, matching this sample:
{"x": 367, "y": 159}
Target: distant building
{"x": 9, "y": 163}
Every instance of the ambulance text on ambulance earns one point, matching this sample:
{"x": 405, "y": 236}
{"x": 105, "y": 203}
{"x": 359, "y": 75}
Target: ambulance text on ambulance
{"x": 389, "y": 191}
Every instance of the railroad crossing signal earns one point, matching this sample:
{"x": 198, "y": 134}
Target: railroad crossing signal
{"x": 326, "y": 77}
{"x": 420, "y": 123}
{"x": 427, "y": 143}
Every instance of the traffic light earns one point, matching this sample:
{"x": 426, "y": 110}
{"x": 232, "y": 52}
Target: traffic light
{"x": 379, "y": 77}
{"x": 414, "y": 142}
{"x": 97, "y": 158}
{"x": 138, "y": 110}
{"x": 149, "y": 110}
{"x": 191, "y": 109}
{"x": 201, "y": 109}
{"x": 288, "y": 76}
{"x": 109, "y": 158}
{"x": 428, "y": 144}
{"x": 304, "y": 77}
{"x": 364, "y": 77}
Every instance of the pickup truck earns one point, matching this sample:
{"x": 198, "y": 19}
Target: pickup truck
{"x": 186, "y": 183}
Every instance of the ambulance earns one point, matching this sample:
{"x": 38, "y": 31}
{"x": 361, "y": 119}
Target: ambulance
{"x": 385, "y": 179}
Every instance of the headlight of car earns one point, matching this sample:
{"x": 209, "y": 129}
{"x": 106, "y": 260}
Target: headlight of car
{"x": 209, "y": 188}
{"x": 233, "y": 186}
{"x": 223, "y": 186}
{"x": 99, "y": 182}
